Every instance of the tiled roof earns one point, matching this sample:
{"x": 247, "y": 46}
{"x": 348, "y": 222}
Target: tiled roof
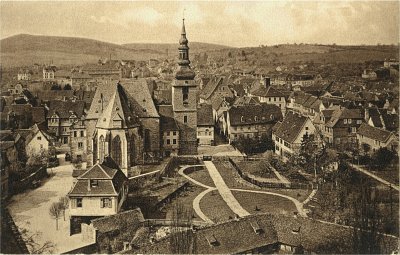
{"x": 48, "y": 95}
{"x": 254, "y": 114}
{"x": 64, "y": 108}
{"x": 114, "y": 222}
{"x": 256, "y": 231}
{"x": 38, "y": 114}
{"x": 374, "y": 133}
{"x": 267, "y": 92}
{"x": 205, "y": 115}
{"x": 110, "y": 180}
{"x": 291, "y": 126}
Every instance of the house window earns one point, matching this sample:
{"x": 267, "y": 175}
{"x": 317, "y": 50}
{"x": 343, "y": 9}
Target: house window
{"x": 185, "y": 95}
{"x": 82, "y": 133}
{"x": 39, "y": 138}
{"x": 174, "y": 141}
{"x": 41, "y": 146}
{"x": 106, "y": 203}
{"x": 174, "y": 133}
{"x": 185, "y": 119}
{"x": 359, "y": 121}
{"x": 349, "y": 121}
{"x": 75, "y": 134}
{"x": 79, "y": 202}
{"x": 168, "y": 141}
{"x": 345, "y": 121}
{"x": 80, "y": 145}
{"x": 353, "y": 129}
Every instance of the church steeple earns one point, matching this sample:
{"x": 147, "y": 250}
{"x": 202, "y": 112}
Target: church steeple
{"x": 184, "y": 72}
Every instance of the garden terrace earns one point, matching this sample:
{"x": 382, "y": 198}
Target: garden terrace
{"x": 264, "y": 203}
{"x": 215, "y": 208}
{"x": 259, "y": 168}
{"x": 201, "y": 175}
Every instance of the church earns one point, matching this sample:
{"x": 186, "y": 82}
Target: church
{"x": 124, "y": 124}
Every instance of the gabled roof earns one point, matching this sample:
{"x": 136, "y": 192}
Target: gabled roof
{"x": 344, "y": 113}
{"x": 119, "y": 108}
{"x": 110, "y": 180}
{"x": 114, "y": 222}
{"x": 291, "y": 126}
{"x": 254, "y": 114}
{"x": 374, "y": 133}
{"x": 64, "y": 109}
{"x": 205, "y": 115}
{"x": 137, "y": 92}
{"x": 267, "y": 92}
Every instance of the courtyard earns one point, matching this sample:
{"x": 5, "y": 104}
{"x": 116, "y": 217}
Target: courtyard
{"x": 30, "y": 210}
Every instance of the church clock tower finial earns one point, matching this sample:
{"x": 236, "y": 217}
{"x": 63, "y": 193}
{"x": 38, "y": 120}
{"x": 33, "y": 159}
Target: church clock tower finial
{"x": 184, "y": 71}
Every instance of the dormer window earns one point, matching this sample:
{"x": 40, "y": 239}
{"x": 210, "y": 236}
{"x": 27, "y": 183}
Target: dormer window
{"x": 212, "y": 240}
{"x": 94, "y": 183}
{"x": 256, "y": 228}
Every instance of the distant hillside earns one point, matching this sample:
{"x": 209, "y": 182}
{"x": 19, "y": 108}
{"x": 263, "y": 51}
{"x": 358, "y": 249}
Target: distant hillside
{"x": 23, "y": 49}
{"x": 161, "y": 48}
{"x": 287, "y": 54}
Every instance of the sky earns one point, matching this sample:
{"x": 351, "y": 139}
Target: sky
{"x": 233, "y": 23}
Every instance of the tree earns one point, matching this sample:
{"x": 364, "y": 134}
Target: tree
{"x": 64, "y": 203}
{"x": 38, "y": 159}
{"x": 30, "y": 240}
{"x": 55, "y": 87}
{"x": 55, "y": 211}
{"x": 67, "y": 87}
{"x": 383, "y": 157}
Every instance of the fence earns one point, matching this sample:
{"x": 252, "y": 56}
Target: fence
{"x": 23, "y": 184}
{"x": 259, "y": 183}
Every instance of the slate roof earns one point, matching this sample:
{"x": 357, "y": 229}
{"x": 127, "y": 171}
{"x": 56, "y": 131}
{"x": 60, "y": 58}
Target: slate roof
{"x": 137, "y": 92}
{"x": 291, "y": 126}
{"x": 114, "y": 222}
{"x": 167, "y": 122}
{"x": 119, "y": 108}
{"x": 344, "y": 113}
{"x": 205, "y": 115}
{"x": 254, "y": 114}
{"x": 110, "y": 180}
{"x": 374, "y": 133}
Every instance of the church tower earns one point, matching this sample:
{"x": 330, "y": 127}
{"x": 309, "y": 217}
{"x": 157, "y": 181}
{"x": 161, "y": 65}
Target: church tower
{"x": 184, "y": 99}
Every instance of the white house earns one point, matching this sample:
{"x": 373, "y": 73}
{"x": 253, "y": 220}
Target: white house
{"x": 205, "y": 125}
{"x": 289, "y": 133}
{"x": 100, "y": 191}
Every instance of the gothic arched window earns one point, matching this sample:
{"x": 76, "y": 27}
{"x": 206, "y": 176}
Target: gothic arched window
{"x": 132, "y": 150}
{"x": 116, "y": 150}
{"x": 101, "y": 149}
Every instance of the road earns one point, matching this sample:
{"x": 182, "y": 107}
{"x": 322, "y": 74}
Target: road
{"x": 362, "y": 170}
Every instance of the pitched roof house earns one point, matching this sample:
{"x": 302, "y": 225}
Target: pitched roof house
{"x": 100, "y": 191}
{"x": 376, "y": 138}
{"x": 289, "y": 133}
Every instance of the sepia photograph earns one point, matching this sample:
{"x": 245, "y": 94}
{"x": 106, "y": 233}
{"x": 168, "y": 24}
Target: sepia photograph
{"x": 199, "y": 127}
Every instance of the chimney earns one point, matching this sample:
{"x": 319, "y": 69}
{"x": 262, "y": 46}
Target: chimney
{"x": 267, "y": 82}
{"x": 366, "y": 114}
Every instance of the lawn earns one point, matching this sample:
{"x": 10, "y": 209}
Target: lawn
{"x": 215, "y": 208}
{"x": 234, "y": 181}
{"x": 257, "y": 168}
{"x": 391, "y": 176}
{"x": 265, "y": 203}
{"x": 202, "y": 176}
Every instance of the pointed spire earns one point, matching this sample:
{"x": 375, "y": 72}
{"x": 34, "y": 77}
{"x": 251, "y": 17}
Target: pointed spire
{"x": 183, "y": 27}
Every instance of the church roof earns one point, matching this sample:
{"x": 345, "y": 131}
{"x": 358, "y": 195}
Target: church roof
{"x": 120, "y": 109}
{"x": 137, "y": 92}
